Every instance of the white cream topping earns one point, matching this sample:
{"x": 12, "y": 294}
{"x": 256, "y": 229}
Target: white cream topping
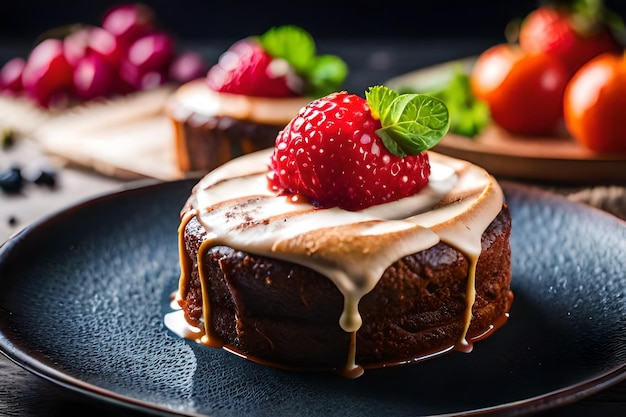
{"x": 351, "y": 248}
{"x": 196, "y": 99}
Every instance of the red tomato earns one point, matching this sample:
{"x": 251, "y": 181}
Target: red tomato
{"x": 524, "y": 91}
{"x": 595, "y": 104}
{"x": 573, "y": 38}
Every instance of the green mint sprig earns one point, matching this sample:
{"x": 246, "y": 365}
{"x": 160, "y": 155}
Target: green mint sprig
{"x": 322, "y": 74}
{"x": 411, "y": 123}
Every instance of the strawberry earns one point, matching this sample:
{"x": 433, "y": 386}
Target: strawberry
{"x": 280, "y": 63}
{"x": 573, "y": 32}
{"x": 247, "y": 69}
{"x": 345, "y": 151}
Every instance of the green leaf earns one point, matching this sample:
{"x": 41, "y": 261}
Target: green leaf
{"x": 293, "y": 44}
{"x": 410, "y": 123}
{"x": 468, "y": 114}
{"x": 379, "y": 98}
{"x": 326, "y": 75}
{"x": 322, "y": 74}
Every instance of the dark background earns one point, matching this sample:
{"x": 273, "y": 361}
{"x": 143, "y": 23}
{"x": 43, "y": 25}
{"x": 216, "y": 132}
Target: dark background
{"x": 229, "y": 18}
{"x": 378, "y": 39}
{"x": 197, "y": 19}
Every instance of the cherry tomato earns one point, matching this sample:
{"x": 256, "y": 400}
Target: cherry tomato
{"x": 524, "y": 90}
{"x": 595, "y": 104}
{"x": 573, "y": 38}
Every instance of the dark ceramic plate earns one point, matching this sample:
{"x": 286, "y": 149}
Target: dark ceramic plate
{"x": 83, "y": 295}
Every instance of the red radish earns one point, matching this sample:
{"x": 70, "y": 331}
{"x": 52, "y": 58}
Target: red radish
{"x": 186, "y": 67}
{"x": 152, "y": 52}
{"x": 92, "y": 40}
{"x": 129, "y": 22}
{"x": 11, "y": 75}
{"x": 47, "y": 72}
{"x": 93, "y": 77}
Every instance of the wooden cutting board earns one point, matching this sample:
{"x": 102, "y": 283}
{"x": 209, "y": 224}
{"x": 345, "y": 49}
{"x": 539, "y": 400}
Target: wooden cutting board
{"x": 128, "y": 138}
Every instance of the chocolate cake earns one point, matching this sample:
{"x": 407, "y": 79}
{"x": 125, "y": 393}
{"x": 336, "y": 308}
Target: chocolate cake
{"x": 248, "y": 96}
{"x": 294, "y": 286}
{"x": 211, "y": 128}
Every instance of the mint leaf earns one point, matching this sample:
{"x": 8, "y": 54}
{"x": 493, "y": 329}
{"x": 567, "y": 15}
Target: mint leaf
{"x": 291, "y": 43}
{"x": 322, "y": 74}
{"x": 380, "y": 98}
{"x": 411, "y": 123}
{"x": 326, "y": 75}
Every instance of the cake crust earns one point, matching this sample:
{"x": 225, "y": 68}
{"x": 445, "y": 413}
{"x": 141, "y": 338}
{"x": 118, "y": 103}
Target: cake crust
{"x": 204, "y": 143}
{"x": 287, "y": 315}
{"x": 211, "y": 128}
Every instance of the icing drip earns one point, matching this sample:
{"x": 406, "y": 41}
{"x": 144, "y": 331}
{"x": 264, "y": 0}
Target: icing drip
{"x": 352, "y": 249}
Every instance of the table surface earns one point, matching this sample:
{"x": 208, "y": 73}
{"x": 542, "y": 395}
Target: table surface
{"x": 25, "y": 394}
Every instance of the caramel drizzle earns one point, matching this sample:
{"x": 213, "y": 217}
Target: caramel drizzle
{"x": 473, "y": 214}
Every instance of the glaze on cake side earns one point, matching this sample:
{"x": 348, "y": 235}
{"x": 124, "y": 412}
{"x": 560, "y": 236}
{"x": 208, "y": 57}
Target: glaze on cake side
{"x": 351, "y": 248}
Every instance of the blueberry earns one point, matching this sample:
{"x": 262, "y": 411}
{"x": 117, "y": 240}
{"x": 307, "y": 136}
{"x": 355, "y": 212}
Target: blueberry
{"x": 46, "y": 177}
{"x": 11, "y": 180}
